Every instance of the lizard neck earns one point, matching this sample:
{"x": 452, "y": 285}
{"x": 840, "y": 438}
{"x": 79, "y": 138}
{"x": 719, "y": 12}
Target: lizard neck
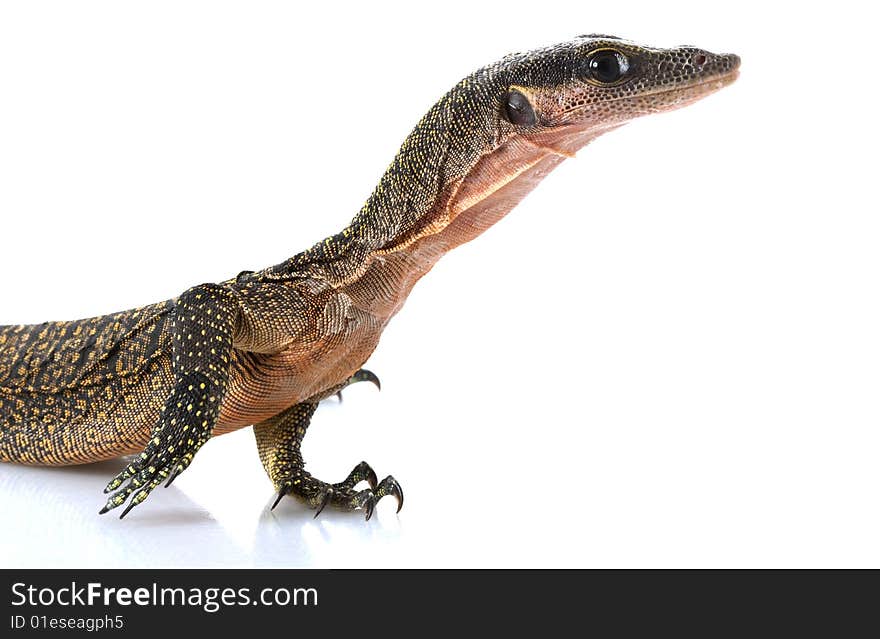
{"x": 463, "y": 209}
{"x": 444, "y": 188}
{"x": 441, "y": 150}
{"x": 460, "y": 170}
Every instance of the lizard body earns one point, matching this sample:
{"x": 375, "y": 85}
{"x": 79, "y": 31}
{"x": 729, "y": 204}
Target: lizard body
{"x": 263, "y": 348}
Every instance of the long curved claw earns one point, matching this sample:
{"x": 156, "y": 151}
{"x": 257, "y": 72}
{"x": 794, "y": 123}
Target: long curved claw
{"x": 391, "y": 486}
{"x": 397, "y": 491}
{"x": 141, "y": 495}
{"x": 175, "y": 474}
{"x": 343, "y": 494}
{"x": 281, "y": 493}
{"x": 367, "y": 499}
{"x": 369, "y": 505}
{"x": 363, "y": 375}
{"x": 365, "y": 471}
{"x": 325, "y": 499}
{"x": 127, "y": 509}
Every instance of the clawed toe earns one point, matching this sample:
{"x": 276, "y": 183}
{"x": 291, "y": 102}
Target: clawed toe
{"x": 363, "y": 375}
{"x": 325, "y": 499}
{"x": 369, "y": 505}
{"x": 347, "y": 499}
{"x": 391, "y": 486}
{"x": 281, "y": 492}
{"x": 363, "y": 471}
{"x": 319, "y": 494}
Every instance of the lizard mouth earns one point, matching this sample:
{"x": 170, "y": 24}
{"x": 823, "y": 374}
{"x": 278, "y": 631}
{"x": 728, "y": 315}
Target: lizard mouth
{"x": 701, "y": 85}
{"x": 711, "y": 83}
{"x": 573, "y": 128}
{"x": 666, "y": 98}
{"x": 675, "y": 97}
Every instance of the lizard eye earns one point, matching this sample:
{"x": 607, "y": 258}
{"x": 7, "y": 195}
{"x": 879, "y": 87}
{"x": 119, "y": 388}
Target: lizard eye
{"x": 518, "y": 109}
{"x": 607, "y": 66}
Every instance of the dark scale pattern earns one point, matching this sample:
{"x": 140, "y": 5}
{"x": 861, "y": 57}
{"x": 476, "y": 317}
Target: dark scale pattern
{"x": 265, "y": 347}
{"x": 442, "y": 148}
{"x": 75, "y": 392}
{"x": 204, "y": 322}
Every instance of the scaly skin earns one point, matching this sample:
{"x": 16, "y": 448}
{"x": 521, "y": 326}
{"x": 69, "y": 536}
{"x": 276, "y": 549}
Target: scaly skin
{"x": 264, "y": 348}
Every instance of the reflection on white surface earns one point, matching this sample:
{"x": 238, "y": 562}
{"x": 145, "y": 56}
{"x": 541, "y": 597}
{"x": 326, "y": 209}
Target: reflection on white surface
{"x": 492, "y": 491}
{"x": 54, "y": 511}
{"x": 52, "y": 520}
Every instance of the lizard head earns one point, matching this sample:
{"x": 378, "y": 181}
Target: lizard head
{"x": 563, "y": 96}
{"x": 506, "y": 126}
{"x": 496, "y": 134}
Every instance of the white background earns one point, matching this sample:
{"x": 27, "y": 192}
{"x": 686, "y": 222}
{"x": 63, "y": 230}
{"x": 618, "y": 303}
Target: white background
{"x": 668, "y": 355}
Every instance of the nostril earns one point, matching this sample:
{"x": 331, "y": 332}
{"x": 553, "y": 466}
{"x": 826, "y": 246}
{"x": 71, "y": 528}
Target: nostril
{"x": 699, "y": 60}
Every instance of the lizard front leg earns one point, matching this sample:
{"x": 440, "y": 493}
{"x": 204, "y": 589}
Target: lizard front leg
{"x": 203, "y": 328}
{"x": 279, "y": 440}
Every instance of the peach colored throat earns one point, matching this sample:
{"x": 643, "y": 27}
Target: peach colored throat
{"x": 361, "y": 306}
{"x": 469, "y": 206}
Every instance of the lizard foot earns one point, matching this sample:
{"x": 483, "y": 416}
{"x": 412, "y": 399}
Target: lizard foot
{"x": 319, "y": 494}
{"x": 171, "y": 449}
{"x": 366, "y": 499}
{"x": 149, "y": 473}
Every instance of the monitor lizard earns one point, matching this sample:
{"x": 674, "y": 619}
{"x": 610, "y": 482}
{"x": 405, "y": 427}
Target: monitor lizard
{"x": 263, "y": 348}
